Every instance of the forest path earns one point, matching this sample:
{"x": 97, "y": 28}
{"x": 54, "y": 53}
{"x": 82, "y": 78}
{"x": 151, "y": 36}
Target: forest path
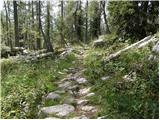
{"x": 73, "y": 92}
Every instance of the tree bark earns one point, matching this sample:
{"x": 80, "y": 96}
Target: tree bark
{"x": 46, "y": 39}
{"x": 16, "y": 24}
{"x": 38, "y": 41}
{"x": 103, "y": 3}
{"x": 8, "y": 41}
{"x": 86, "y": 31}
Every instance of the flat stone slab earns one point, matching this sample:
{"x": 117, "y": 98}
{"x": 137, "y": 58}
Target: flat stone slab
{"x": 81, "y": 80}
{"x": 59, "y": 91}
{"x": 53, "y": 96}
{"x": 58, "y": 110}
{"x": 80, "y": 117}
{"x": 65, "y": 85}
{"x": 52, "y": 118}
{"x": 88, "y": 108}
{"x": 90, "y": 94}
{"x": 84, "y": 91}
{"x": 82, "y": 102}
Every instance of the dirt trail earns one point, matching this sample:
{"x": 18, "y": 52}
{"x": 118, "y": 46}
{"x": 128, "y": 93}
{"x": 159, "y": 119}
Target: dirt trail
{"x": 78, "y": 89}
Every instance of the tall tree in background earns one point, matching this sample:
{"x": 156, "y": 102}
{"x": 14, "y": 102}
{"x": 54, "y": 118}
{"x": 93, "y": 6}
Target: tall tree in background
{"x": 7, "y": 30}
{"x": 125, "y": 21}
{"x": 103, "y": 4}
{"x": 47, "y": 39}
{"x": 86, "y": 30}
{"x": 38, "y": 41}
{"x": 16, "y": 24}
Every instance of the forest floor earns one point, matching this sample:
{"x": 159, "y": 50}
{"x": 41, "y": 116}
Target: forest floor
{"x": 80, "y": 85}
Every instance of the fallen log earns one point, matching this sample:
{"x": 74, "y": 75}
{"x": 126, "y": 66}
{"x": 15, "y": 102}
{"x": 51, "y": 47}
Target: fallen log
{"x": 138, "y": 44}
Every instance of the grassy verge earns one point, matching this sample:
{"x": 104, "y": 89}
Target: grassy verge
{"x": 24, "y": 84}
{"x": 118, "y": 98}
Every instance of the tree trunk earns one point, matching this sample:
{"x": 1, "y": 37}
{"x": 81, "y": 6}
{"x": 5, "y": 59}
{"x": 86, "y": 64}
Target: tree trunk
{"x": 103, "y": 3}
{"x": 7, "y": 36}
{"x": 38, "y": 26}
{"x": 10, "y": 37}
{"x": 99, "y": 19}
{"x": 16, "y": 24}
{"x": 46, "y": 40}
{"x": 62, "y": 37}
{"x": 86, "y": 32}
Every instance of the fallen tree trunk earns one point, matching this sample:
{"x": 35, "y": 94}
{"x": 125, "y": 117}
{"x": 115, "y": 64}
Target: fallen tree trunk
{"x": 138, "y": 44}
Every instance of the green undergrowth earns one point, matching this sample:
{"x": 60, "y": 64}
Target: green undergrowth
{"x": 118, "y": 98}
{"x": 24, "y": 84}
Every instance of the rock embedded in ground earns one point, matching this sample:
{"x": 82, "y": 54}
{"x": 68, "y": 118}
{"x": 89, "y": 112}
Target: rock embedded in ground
{"x": 88, "y": 108}
{"x": 81, "y": 80}
{"x": 105, "y": 78}
{"x": 90, "y": 94}
{"x": 74, "y": 88}
{"x": 82, "y": 102}
{"x": 84, "y": 91}
{"x": 53, "y": 96}
{"x": 65, "y": 85}
{"x": 52, "y": 118}
{"x": 69, "y": 100}
{"x": 58, "y": 110}
{"x": 156, "y": 48}
{"x": 99, "y": 43}
{"x": 59, "y": 91}
{"x": 80, "y": 117}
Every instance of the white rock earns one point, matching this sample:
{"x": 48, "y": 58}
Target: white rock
{"x": 156, "y": 48}
{"x": 82, "y": 102}
{"x": 52, "y": 118}
{"x": 80, "y": 117}
{"x": 90, "y": 94}
{"x": 58, "y": 110}
{"x": 105, "y": 78}
{"x": 84, "y": 91}
{"x": 81, "y": 80}
{"x": 65, "y": 85}
{"x": 53, "y": 96}
{"x": 59, "y": 91}
{"x": 88, "y": 108}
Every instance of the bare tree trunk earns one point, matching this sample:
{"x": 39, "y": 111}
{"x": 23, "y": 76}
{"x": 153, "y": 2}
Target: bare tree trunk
{"x": 46, "y": 40}
{"x": 10, "y": 37}
{"x": 38, "y": 26}
{"x": 8, "y": 41}
{"x": 99, "y": 25}
{"x": 86, "y": 32}
{"x": 16, "y": 24}
{"x": 103, "y": 3}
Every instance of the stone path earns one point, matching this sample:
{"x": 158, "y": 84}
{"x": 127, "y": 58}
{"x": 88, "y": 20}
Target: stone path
{"x": 76, "y": 105}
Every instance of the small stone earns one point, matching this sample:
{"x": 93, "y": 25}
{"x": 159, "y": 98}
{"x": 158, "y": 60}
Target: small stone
{"x": 102, "y": 117}
{"x": 59, "y": 91}
{"x": 74, "y": 88}
{"x": 84, "y": 91}
{"x": 52, "y": 118}
{"x": 53, "y": 96}
{"x": 105, "y": 78}
{"x": 58, "y": 110}
{"x": 81, "y": 80}
{"x": 156, "y": 48}
{"x": 99, "y": 43}
{"x": 88, "y": 108}
{"x": 80, "y": 117}
{"x": 65, "y": 85}
{"x": 82, "y": 102}
{"x": 90, "y": 94}
{"x": 69, "y": 100}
